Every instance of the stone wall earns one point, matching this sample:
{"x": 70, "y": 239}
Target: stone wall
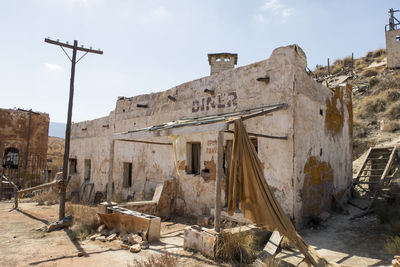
{"x": 14, "y": 134}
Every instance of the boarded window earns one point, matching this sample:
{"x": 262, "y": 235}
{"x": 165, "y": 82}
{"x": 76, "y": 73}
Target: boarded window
{"x": 193, "y": 158}
{"x": 72, "y": 166}
{"x": 88, "y": 167}
{"x": 11, "y": 158}
{"x": 127, "y": 172}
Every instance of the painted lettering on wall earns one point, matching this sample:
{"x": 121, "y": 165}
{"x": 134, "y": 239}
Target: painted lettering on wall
{"x": 224, "y": 100}
{"x": 211, "y": 146}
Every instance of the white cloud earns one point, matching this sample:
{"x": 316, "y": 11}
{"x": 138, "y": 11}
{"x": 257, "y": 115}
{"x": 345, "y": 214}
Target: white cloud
{"x": 287, "y": 12}
{"x": 272, "y": 5}
{"x": 275, "y": 8}
{"x": 53, "y": 67}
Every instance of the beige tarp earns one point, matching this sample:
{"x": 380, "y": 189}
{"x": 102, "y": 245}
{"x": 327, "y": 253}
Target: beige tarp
{"x": 258, "y": 204}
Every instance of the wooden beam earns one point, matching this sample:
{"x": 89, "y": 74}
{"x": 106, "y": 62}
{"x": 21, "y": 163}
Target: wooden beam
{"x": 217, "y": 216}
{"x": 47, "y": 40}
{"x": 27, "y": 190}
{"x": 110, "y": 171}
{"x": 263, "y": 135}
{"x": 144, "y": 142}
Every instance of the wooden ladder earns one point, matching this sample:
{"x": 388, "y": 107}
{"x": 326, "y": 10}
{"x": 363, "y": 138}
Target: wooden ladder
{"x": 374, "y": 171}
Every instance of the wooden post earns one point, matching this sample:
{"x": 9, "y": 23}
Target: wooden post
{"x": 15, "y": 198}
{"x": 110, "y": 172}
{"x": 352, "y": 61}
{"x": 74, "y": 48}
{"x": 329, "y": 67}
{"x": 63, "y": 188}
{"x": 217, "y": 213}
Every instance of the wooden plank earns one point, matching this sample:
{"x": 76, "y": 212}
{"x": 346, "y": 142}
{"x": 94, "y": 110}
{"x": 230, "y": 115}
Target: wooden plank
{"x": 217, "y": 217}
{"x": 27, "y": 190}
{"x": 389, "y": 164}
{"x": 363, "y": 165}
{"x": 273, "y": 243}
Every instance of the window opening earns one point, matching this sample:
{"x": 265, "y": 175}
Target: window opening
{"x": 193, "y": 158}
{"x": 127, "y": 173}
{"x": 11, "y": 158}
{"x": 88, "y": 167}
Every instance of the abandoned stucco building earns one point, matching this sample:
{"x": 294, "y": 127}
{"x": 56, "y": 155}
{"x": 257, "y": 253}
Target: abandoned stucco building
{"x": 23, "y": 145}
{"x": 306, "y": 159}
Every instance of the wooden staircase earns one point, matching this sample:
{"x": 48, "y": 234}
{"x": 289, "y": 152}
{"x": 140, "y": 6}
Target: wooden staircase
{"x": 373, "y": 176}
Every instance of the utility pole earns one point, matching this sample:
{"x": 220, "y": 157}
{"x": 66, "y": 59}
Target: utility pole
{"x": 75, "y": 48}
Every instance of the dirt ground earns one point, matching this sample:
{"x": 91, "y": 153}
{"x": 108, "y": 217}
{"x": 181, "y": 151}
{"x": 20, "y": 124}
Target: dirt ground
{"x": 21, "y": 244}
{"x": 358, "y": 242}
{"x": 351, "y": 243}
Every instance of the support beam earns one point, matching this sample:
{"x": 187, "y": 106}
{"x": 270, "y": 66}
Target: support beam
{"x": 263, "y": 135}
{"x": 110, "y": 171}
{"x": 27, "y": 190}
{"x": 144, "y": 142}
{"x": 217, "y": 215}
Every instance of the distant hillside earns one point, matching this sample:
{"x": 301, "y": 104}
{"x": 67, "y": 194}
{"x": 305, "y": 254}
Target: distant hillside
{"x": 376, "y": 98}
{"x": 57, "y": 129}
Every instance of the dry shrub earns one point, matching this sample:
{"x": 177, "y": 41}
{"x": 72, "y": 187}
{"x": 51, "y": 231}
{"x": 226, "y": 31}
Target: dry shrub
{"x": 392, "y": 245}
{"x": 369, "y": 54}
{"x": 166, "y": 259}
{"x": 389, "y": 82}
{"x": 373, "y": 81}
{"x": 393, "y": 111}
{"x": 369, "y": 73}
{"x": 320, "y": 70}
{"x": 240, "y": 247}
{"x": 46, "y": 197}
{"x": 393, "y": 95}
{"x": 379, "y": 53}
{"x": 337, "y": 66}
{"x": 347, "y": 61}
{"x": 370, "y": 105}
{"x": 85, "y": 219}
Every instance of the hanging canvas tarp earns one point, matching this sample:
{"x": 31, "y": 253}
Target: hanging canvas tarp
{"x": 248, "y": 186}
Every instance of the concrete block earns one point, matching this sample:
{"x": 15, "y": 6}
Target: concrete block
{"x": 208, "y": 244}
{"x": 200, "y": 240}
{"x": 193, "y": 239}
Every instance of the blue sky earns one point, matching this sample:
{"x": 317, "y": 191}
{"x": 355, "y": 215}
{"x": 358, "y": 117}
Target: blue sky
{"x": 154, "y": 45}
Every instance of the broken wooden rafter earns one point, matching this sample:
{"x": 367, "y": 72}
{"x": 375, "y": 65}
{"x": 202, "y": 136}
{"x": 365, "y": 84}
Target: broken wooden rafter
{"x": 263, "y": 135}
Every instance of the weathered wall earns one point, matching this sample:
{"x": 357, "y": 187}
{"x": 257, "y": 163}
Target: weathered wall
{"x": 323, "y": 145}
{"x": 235, "y": 90}
{"x": 393, "y": 48}
{"x": 14, "y": 133}
{"x": 55, "y": 156}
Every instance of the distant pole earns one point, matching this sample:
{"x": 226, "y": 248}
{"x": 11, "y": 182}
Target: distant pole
{"x": 329, "y": 68}
{"x": 352, "y": 61}
{"x": 75, "y": 48}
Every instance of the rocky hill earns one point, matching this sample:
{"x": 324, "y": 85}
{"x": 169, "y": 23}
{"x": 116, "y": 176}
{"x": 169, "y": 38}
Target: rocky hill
{"x": 376, "y": 97}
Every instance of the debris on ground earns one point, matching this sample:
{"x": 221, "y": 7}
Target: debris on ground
{"x": 66, "y": 222}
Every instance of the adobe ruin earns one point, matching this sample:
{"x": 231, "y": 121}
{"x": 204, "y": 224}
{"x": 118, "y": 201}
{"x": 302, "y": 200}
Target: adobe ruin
{"x": 23, "y": 145}
{"x": 305, "y": 145}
